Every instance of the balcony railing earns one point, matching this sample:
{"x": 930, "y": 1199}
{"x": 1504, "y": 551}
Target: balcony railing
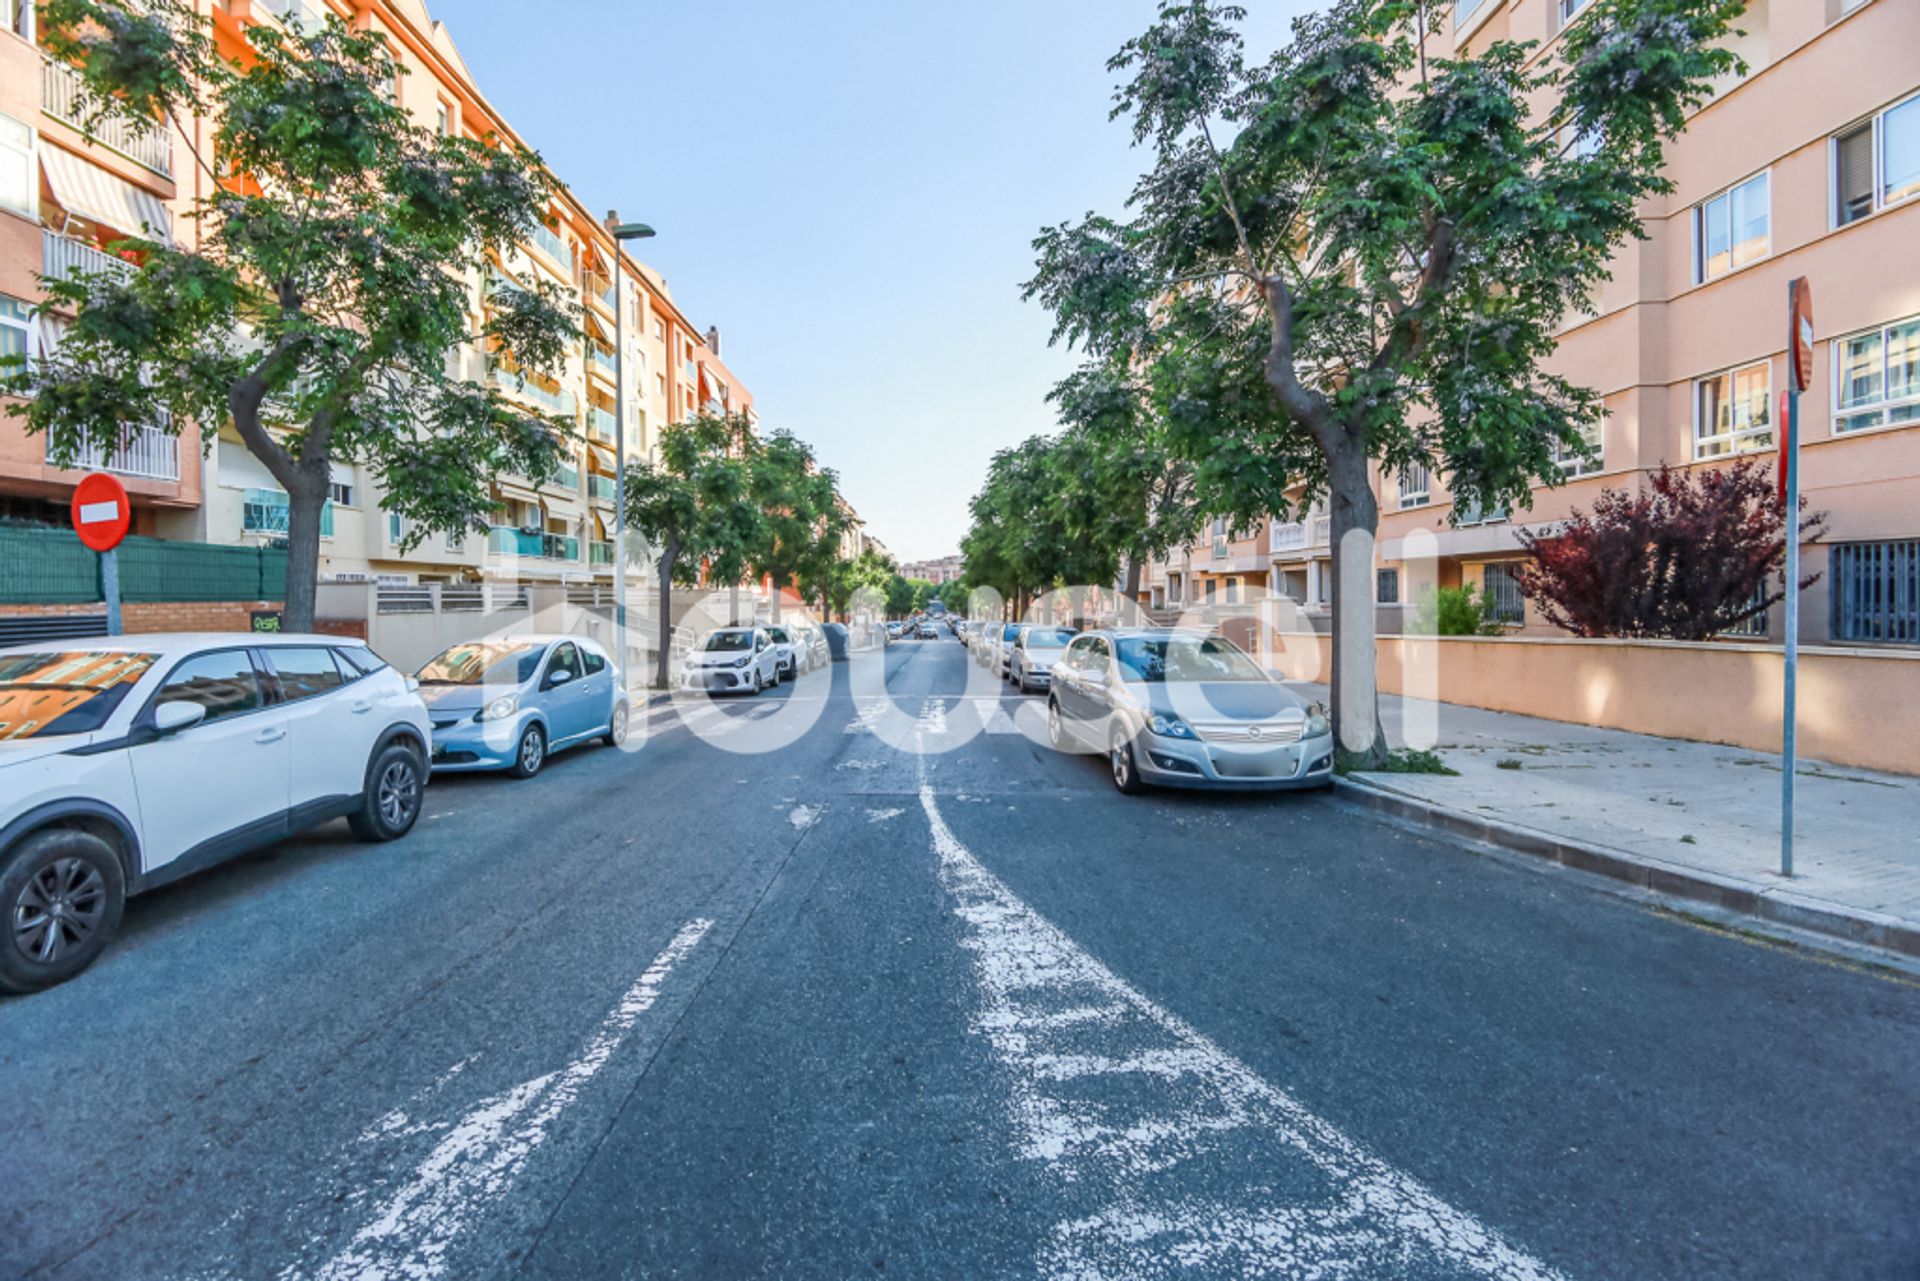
{"x": 63, "y": 98}
{"x": 297, "y": 15}
{"x": 63, "y": 258}
{"x": 602, "y": 358}
{"x": 150, "y": 452}
{"x": 264, "y": 511}
{"x": 600, "y": 487}
{"x": 600, "y": 424}
{"x": 600, "y": 553}
{"x": 567, "y": 477}
{"x": 560, "y": 402}
{"x": 553, "y": 247}
{"x": 509, "y": 541}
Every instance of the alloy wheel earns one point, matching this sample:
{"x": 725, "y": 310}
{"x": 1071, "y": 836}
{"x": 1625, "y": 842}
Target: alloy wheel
{"x": 58, "y": 910}
{"x": 532, "y": 749}
{"x": 398, "y": 792}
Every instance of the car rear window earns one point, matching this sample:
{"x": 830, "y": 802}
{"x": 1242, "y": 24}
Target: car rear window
{"x": 66, "y": 691}
{"x": 729, "y": 642}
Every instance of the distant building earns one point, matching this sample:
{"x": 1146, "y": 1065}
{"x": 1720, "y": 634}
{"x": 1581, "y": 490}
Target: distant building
{"x": 943, "y": 570}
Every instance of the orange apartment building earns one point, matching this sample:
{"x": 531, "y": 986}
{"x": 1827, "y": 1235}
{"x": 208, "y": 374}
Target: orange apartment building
{"x": 1809, "y": 165}
{"x": 63, "y": 198}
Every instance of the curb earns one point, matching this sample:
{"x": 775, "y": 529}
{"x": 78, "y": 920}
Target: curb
{"x": 1780, "y": 906}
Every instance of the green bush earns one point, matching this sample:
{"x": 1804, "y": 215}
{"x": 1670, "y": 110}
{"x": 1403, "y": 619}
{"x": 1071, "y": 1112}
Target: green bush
{"x": 1455, "y": 611}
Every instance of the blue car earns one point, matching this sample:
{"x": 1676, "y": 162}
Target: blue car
{"x": 511, "y": 702}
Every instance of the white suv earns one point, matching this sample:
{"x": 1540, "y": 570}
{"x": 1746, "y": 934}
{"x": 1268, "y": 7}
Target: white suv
{"x": 129, "y": 762}
{"x": 733, "y": 659}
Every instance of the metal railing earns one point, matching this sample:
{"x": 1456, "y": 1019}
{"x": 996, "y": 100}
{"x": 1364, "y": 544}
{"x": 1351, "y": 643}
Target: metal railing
{"x": 561, "y": 402}
{"x": 567, "y": 477}
{"x": 64, "y": 258}
{"x": 508, "y": 541}
{"x": 600, "y": 487}
{"x": 1876, "y": 591}
{"x": 600, "y": 424}
{"x": 600, "y": 553}
{"x": 63, "y": 96}
{"x": 148, "y": 451}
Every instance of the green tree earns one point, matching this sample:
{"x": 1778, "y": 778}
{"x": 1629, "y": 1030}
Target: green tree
{"x": 802, "y": 520}
{"x": 870, "y": 570}
{"x": 694, "y": 504}
{"x": 1352, "y": 255}
{"x": 331, "y": 280}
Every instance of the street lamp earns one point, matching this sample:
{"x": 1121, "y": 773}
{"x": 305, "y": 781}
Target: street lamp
{"x": 621, "y": 232}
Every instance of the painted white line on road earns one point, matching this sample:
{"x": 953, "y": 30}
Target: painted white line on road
{"x": 1179, "y": 1113}
{"x": 484, "y": 1151}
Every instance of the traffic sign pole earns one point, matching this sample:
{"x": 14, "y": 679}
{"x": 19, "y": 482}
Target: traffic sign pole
{"x": 110, "y": 588}
{"x": 1799, "y": 377}
{"x": 101, "y": 513}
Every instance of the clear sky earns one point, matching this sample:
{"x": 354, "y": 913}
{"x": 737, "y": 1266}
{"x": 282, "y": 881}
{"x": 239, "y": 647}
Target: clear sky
{"x": 849, "y": 191}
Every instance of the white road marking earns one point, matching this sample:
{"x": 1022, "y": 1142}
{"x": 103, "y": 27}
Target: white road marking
{"x": 883, "y": 816}
{"x": 1126, "y": 1101}
{"x": 804, "y": 816}
{"x": 412, "y": 1230}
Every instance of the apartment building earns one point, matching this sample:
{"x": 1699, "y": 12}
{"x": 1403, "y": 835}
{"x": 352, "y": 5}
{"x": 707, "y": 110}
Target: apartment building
{"x": 1808, "y": 165}
{"x": 66, "y": 198}
{"x": 942, "y": 569}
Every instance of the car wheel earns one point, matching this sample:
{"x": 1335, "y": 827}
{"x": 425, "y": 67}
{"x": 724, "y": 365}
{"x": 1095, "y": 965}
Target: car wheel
{"x": 63, "y": 891}
{"x": 617, "y": 727}
{"x": 531, "y": 754}
{"x": 758, "y": 684}
{"x": 391, "y": 805}
{"x": 1126, "y": 770}
{"x": 1056, "y": 728}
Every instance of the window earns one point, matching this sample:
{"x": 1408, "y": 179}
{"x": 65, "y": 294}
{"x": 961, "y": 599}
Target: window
{"x": 1579, "y": 142}
{"x": 17, "y": 16}
{"x": 1388, "y": 590}
{"x": 659, "y": 331}
{"x": 341, "y": 493}
{"x": 1877, "y": 378}
{"x": 593, "y": 662}
{"x": 1567, "y": 9}
{"x": 1505, "y": 602}
{"x": 1415, "y": 482}
{"x": 457, "y": 542}
{"x": 15, "y": 331}
{"x": 1732, "y": 413}
{"x": 1465, "y": 9}
{"x": 567, "y": 659}
{"x": 358, "y": 657}
{"x": 223, "y": 682}
{"x": 304, "y": 672}
{"x": 1732, "y": 229}
{"x": 19, "y": 181}
{"x": 64, "y": 692}
{"x": 396, "y": 527}
{"x": 1876, "y": 591}
{"x": 1876, "y": 163}
{"x": 1571, "y": 463}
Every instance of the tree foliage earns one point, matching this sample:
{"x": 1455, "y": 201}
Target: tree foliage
{"x": 332, "y": 277}
{"x": 1692, "y": 555}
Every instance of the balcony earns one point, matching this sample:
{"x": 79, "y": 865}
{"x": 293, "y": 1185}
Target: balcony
{"x": 601, "y": 425}
{"x": 300, "y": 16}
{"x": 151, "y": 453}
{"x": 505, "y": 540}
{"x": 600, "y": 487}
{"x": 600, "y": 553}
{"x": 603, "y": 358}
{"x": 264, "y": 511}
{"x": 63, "y": 98}
{"x": 566, "y": 477}
{"x": 64, "y": 258}
{"x": 559, "y": 402}
{"x": 554, "y": 248}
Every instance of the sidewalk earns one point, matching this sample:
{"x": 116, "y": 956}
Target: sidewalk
{"x": 1695, "y": 820}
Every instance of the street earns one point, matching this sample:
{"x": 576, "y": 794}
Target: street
{"x": 837, "y": 1007}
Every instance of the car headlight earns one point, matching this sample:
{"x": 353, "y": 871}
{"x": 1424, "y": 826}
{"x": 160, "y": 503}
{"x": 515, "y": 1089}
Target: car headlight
{"x": 500, "y": 708}
{"x": 740, "y": 662}
{"x": 1317, "y": 722}
{"x": 1169, "y": 727}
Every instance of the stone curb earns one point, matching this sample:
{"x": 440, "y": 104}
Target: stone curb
{"x": 1782, "y": 906}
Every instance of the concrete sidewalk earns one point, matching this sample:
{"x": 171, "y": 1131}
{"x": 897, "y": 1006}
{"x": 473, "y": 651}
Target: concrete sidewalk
{"x": 1695, "y": 820}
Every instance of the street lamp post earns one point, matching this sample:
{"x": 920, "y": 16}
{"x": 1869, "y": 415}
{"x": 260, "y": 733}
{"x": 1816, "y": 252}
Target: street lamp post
{"x": 621, "y": 232}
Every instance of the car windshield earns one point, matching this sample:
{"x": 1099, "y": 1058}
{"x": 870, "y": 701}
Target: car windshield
{"x": 729, "y": 643}
{"x": 65, "y": 692}
{"x": 1159, "y": 659}
{"x": 1049, "y": 637}
{"x": 484, "y": 663}
{"x": 1010, "y": 631}
{"x": 779, "y": 635}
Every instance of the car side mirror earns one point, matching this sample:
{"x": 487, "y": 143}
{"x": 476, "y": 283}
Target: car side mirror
{"x": 171, "y": 718}
{"x": 560, "y": 677}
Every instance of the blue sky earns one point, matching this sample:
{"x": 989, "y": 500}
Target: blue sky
{"x": 849, "y": 190}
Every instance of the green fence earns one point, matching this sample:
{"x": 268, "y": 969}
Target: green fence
{"x": 46, "y": 566}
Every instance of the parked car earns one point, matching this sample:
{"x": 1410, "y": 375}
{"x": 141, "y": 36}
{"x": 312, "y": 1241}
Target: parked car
{"x": 926, "y": 631}
{"x": 129, "y": 762}
{"x": 1002, "y": 659}
{"x": 1035, "y": 651}
{"x": 512, "y": 702}
{"x": 732, "y": 660}
{"x": 786, "y": 656}
{"x": 1184, "y": 708}
{"x": 894, "y": 630}
{"x": 812, "y": 643}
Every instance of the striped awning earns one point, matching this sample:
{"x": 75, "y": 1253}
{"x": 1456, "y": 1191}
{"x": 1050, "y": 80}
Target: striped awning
{"x": 99, "y": 196}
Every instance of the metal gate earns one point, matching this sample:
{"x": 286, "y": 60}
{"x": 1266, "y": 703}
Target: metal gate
{"x": 1876, "y": 591}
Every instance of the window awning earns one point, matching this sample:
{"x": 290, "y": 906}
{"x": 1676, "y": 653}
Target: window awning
{"x": 98, "y": 196}
{"x": 598, "y": 331}
{"x": 520, "y": 493}
{"x": 602, "y": 459}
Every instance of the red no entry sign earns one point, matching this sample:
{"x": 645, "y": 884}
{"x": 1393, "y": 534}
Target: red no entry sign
{"x": 101, "y": 511}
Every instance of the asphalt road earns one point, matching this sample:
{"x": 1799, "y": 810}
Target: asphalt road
{"x": 829, "y": 985}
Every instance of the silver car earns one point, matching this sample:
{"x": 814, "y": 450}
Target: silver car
{"x": 1183, "y": 708}
{"x": 1035, "y": 651}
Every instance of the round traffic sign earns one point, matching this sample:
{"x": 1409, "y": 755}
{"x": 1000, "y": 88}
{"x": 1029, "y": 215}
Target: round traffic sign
{"x": 101, "y": 511}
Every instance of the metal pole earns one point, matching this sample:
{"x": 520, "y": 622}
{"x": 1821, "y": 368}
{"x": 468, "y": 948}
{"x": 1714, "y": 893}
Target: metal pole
{"x": 110, "y": 588}
{"x": 620, "y": 462}
{"x": 1792, "y": 655}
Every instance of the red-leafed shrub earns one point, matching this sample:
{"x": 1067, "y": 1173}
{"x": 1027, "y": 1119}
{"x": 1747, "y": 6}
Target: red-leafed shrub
{"x": 1693, "y": 554}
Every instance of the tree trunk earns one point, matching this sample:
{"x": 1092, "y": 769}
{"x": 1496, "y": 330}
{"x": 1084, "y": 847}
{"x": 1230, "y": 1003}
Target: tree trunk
{"x": 733, "y": 605}
{"x": 663, "y": 666}
{"x": 1130, "y": 586}
{"x": 1355, "y": 677}
{"x": 305, "y": 504}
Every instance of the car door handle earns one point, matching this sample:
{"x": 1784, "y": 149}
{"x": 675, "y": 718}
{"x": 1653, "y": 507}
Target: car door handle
{"x": 363, "y": 706}
{"x": 269, "y": 736}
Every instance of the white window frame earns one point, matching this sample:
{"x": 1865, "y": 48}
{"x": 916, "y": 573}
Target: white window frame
{"x": 1411, "y": 497}
{"x": 23, "y": 327}
{"x": 1737, "y": 440}
{"x": 1697, "y": 217}
{"x": 31, "y": 199}
{"x": 1881, "y": 407}
{"x": 1568, "y": 10}
{"x": 1572, "y": 465}
{"x": 18, "y": 11}
{"x": 1878, "y": 123}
